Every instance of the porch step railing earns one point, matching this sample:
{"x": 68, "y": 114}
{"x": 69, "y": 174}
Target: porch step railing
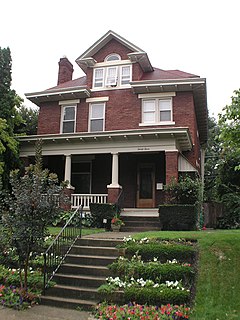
{"x": 61, "y": 245}
{"x": 86, "y": 199}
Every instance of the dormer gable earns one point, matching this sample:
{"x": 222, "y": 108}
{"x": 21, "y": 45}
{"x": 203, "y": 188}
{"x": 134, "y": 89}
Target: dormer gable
{"x": 95, "y": 53}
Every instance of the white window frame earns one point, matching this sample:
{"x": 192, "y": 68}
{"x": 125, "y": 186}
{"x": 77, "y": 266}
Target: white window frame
{"x": 121, "y": 75}
{"x": 115, "y": 81}
{"x": 63, "y": 107}
{"x": 91, "y": 118}
{"x": 157, "y": 120}
{"x": 98, "y": 80}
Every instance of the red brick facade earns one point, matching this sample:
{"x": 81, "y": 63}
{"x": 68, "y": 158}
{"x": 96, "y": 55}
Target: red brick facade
{"x": 123, "y": 111}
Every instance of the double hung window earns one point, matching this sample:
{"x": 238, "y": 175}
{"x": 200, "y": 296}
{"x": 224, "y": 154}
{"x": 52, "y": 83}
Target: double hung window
{"x": 156, "y": 111}
{"x": 113, "y": 72}
{"x": 68, "y": 119}
{"x": 97, "y": 117}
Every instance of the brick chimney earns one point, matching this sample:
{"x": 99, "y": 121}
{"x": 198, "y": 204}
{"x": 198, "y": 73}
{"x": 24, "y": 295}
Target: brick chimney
{"x": 65, "y": 70}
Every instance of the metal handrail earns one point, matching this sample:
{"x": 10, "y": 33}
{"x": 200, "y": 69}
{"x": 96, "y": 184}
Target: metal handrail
{"x": 60, "y": 247}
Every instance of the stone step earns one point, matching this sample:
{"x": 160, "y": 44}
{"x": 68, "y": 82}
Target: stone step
{"x": 93, "y": 270}
{"x": 90, "y": 250}
{"x": 140, "y": 219}
{"x": 88, "y": 260}
{"x": 68, "y": 303}
{"x": 140, "y": 229}
{"x": 72, "y": 292}
{"x": 79, "y": 280}
{"x": 96, "y": 242}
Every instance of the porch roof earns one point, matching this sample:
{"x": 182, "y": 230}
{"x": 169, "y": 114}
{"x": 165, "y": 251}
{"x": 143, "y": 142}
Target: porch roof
{"x": 140, "y": 140}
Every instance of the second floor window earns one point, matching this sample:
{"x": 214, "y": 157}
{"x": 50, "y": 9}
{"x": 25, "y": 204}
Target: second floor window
{"x": 68, "y": 119}
{"x": 156, "y": 111}
{"x": 97, "y": 117}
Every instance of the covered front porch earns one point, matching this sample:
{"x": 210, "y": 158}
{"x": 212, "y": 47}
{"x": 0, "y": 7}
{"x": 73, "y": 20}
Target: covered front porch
{"x": 101, "y": 167}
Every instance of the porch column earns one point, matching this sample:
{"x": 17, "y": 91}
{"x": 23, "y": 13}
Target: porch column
{"x": 171, "y": 158}
{"x": 114, "y": 188}
{"x": 69, "y": 190}
{"x": 67, "y": 174}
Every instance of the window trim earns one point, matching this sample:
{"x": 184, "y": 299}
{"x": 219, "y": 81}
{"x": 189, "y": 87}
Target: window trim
{"x": 68, "y": 105}
{"x": 91, "y": 104}
{"x": 118, "y": 77}
{"x": 157, "y": 111}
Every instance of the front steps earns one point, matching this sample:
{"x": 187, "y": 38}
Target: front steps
{"x": 140, "y": 220}
{"x": 84, "y": 270}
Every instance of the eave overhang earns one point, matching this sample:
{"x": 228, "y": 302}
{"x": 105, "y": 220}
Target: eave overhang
{"x": 58, "y": 94}
{"x": 195, "y": 85}
{"x": 180, "y": 137}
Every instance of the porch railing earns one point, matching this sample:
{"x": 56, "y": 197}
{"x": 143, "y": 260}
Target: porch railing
{"x": 60, "y": 247}
{"x": 86, "y": 199}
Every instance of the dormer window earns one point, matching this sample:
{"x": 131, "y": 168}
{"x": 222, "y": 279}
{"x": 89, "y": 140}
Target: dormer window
{"x": 111, "y": 73}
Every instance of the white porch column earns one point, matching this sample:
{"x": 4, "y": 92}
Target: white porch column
{"x": 67, "y": 174}
{"x": 115, "y": 170}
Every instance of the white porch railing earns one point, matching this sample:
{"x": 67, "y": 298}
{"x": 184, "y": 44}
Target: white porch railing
{"x": 86, "y": 199}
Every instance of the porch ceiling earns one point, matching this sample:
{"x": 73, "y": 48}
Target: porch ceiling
{"x": 110, "y": 141}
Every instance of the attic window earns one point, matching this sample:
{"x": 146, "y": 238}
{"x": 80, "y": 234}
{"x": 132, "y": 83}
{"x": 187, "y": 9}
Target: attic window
{"x": 112, "y": 57}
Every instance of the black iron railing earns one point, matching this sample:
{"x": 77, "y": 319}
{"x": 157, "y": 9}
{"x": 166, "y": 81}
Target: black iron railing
{"x": 60, "y": 247}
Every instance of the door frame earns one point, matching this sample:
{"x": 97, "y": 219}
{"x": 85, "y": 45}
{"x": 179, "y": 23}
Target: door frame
{"x": 146, "y": 203}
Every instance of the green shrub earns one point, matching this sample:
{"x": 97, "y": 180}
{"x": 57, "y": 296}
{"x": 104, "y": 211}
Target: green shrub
{"x": 154, "y": 296}
{"x": 163, "y": 252}
{"x": 100, "y": 211}
{"x": 178, "y": 217}
{"x": 152, "y": 270}
{"x": 185, "y": 191}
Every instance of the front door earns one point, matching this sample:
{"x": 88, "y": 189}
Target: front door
{"x": 145, "y": 186}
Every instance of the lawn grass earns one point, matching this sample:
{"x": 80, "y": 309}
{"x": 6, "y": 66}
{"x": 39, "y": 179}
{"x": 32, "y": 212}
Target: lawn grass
{"x": 218, "y": 283}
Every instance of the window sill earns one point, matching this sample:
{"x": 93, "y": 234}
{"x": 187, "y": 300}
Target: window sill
{"x": 111, "y": 88}
{"x": 163, "y": 123}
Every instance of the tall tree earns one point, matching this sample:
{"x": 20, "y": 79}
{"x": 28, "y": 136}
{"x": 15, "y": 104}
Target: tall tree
{"x": 212, "y": 159}
{"x": 9, "y": 102}
{"x": 229, "y": 122}
{"x": 30, "y": 121}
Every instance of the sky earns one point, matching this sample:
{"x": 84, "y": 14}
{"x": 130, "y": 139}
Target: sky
{"x": 199, "y": 37}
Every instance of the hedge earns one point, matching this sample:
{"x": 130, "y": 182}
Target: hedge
{"x": 178, "y": 217}
{"x": 153, "y": 271}
{"x": 154, "y": 296}
{"x": 100, "y": 211}
{"x": 163, "y": 252}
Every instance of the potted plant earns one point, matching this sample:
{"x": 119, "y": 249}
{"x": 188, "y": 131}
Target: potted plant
{"x": 116, "y": 223}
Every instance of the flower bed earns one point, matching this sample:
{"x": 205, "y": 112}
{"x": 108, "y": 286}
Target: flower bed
{"x": 143, "y": 312}
{"x": 146, "y": 274}
{"x": 153, "y": 270}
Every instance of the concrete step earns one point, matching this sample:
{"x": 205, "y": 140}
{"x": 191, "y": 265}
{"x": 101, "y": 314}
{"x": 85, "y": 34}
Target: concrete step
{"x": 93, "y": 270}
{"x": 68, "y": 303}
{"x": 98, "y": 251}
{"x": 88, "y": 260}
{"x": 140, "y": 219}
{"x": 97, "y": 242}
{"x": 140, "y": 229}
{"x": 84, "y": 293}
{"x": 79, "y": 280}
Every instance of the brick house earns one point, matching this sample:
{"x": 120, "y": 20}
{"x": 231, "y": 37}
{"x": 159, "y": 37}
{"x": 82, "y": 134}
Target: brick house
{"x": 125, "y": 127}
